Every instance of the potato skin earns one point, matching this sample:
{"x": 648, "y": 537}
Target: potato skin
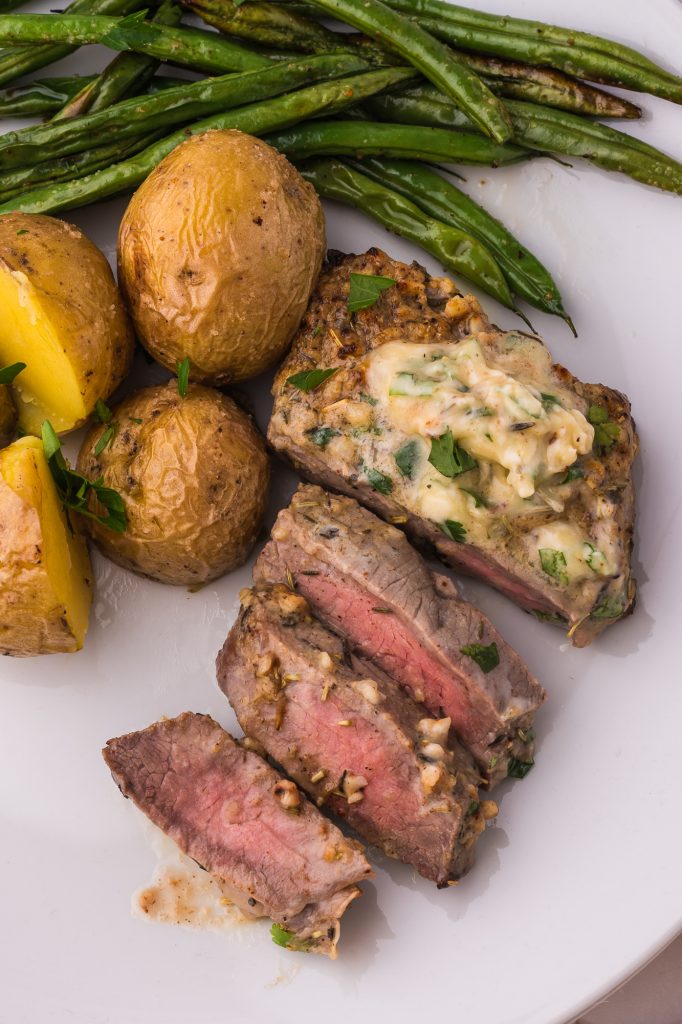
{"x": 194, "y": 477}
{"x": 8, "y": 416}
{"x": 78, "y": 292}
{"x": 33, "y": 619}
{"x": 218, "y": 252}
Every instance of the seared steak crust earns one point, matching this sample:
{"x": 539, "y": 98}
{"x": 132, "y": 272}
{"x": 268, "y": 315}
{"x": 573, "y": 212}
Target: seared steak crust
{"x": 323, "y": 434}
{"x": 220, "y": 804}
{"x": 362, "y": 577}
{"x": 356, "y": 743}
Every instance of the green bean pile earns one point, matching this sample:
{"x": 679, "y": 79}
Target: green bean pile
{"x": 364, "y": 114}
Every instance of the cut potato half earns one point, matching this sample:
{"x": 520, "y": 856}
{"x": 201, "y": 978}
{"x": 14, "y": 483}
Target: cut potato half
{"x": 62, "y": 315}
{"x": 45, "y": 572}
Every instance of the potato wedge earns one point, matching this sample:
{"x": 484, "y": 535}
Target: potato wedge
{"x": 45, "y": 573}
{"x": 63, "y": 316}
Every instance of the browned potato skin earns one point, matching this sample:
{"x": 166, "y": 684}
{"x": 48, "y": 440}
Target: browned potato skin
{"x": 8, "y": 416}
{"x": 218, "y": 253}
{"x": 78, "y": 290}
{"x": 194, "y": 477}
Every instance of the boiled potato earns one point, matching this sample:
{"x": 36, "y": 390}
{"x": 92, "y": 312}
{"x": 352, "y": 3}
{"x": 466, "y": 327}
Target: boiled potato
{"x": 45, "y": 574}
{"x": 218, "y": 253}
{"x": 8, "y": 415}
{"x": 63, "y": 316}
{"x": 193, "y": 475}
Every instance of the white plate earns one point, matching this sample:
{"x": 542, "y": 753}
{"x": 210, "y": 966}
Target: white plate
{"x": 580, "y": 881}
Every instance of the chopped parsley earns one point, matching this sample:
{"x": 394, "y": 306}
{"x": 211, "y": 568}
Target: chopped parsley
{"x": 365, "y": 289}
{"x": 606, "y": 432}
{"x": 549, "y": 400}
{"x": 106, "y": 438}
{"x": 609, "y": 608}
{"x": 486, "y": 657}
{"x": 309, "y": 380}
{"x": 406, "y": 458}
{"x": 74, "y": 489}
{"x": 321, "y": 436}
{"x": 479, "y": 500}
{"x": 102, "y": 411}
{"x": 379, "y": 481}
{"x": 553, "y": 562}
{"x": 448, "y": 458}
{"x": 8, "y": 373}
{"x": 517, "y": 769}
{"x": 183, "y": 376}
{"x": 22, "y": 231}
{"x": 454, "y": 530}
{"x": 280, "y": 935}
{"x": 572, "y": 473}
{"x": 364, "y": 397}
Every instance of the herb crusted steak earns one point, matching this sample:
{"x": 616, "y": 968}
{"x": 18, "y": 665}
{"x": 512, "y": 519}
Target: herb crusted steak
{"x": 234, "y": 815}
{"x": 356, "y": 743}
{"x": 469, "y": 437}
{"x": 362, "y": 577}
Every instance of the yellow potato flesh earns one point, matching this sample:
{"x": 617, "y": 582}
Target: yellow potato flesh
{"x": 28, "y": 336}
{"x": 45, "y": 570}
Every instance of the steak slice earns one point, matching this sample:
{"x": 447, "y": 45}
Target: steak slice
{"x": 233, "y": 814}
{"x": 356, "y": 743}
{"x": 469, "y": 437}
{"x": 365, "y": 581}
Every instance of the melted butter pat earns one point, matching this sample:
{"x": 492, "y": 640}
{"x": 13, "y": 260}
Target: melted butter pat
{"x": 583, "y": 559}
{"x": 428, "y": 389}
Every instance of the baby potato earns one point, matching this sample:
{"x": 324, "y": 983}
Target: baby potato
{"x": 63, "y": 316}
{"x": 218, "y": 253}
{"x": 193, "y": 474}
{"x": 45, "y": 573}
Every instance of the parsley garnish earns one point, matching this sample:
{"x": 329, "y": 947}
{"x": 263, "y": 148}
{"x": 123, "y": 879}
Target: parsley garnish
{"x": 102, "y": 411}
{"x": 406, "y": 458}
{"x": 364, "y": 397}
{"x": 573, "y": 473}
{"x": 454, "y": 530}
{"x": 365, "y": 289}
{"x": 23, "y": 231}
{"x": 183, "y": 376}
{"x": 487, "y": 658}
{"x": 479, "y": 500}
{"x": 309, "y": 380}
{"x": 379, "y": 481}
{"x": 447, "y": 456}
{"x": 321, "y": 436}
{"x": 549, "y": 400}
{"x": 280, "y": 935}
{"x": 610, "y": 608}
{"x": 518, "y": 769}
{"x": 553, "y": 562}
{"x": 135, "y": 419}
{"x": 105, "y": 439}
{"x": 8, "y": 373}
{"x": 606, "y": 432}
{"x": 74, "y": 489}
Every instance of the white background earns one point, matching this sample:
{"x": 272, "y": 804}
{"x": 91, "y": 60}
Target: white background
{"x": 578, "y": 884}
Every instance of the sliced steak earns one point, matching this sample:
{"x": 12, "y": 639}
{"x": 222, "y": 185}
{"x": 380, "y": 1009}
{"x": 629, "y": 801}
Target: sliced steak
{"x": 357, "y": 744}
{"x": 365, "y": 581}
{"x": 233, "y": 814}
{"x": 470, "y": 438}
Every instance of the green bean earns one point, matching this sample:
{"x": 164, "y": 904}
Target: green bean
{"x": 142, "y": 115}
{"x": 25, "y": 59}
{"x": 548, "y": 87}
{"x": 447, "y": 203}
{"x": 204, "y": 51}
{"x": 435, "y": 61}
{"x": 455, "y": 249}
{"x": 374, "y": 138}
{"x": 15, "y": 183}
{"x": 563, "y": 49}
{"x": 581, "y": 54}
{"x": 256, "y": 119}
{"x": 545, "y": 130}
{"x": 127, "y": 74}
{"x": 269, "y": 25}
{"x": 42, "y": 96}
